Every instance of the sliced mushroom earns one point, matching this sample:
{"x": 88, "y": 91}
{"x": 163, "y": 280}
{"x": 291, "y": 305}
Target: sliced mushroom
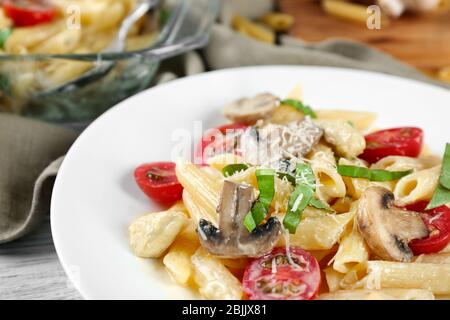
{"x": 386, "y": 228}
{"x": 271, "y": 143}
{"x": 252, "y": 109}
{"x": 232, "y": 239}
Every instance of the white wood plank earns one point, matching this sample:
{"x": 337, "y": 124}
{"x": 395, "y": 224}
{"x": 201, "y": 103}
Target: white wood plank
{"x": 30, "y": 269}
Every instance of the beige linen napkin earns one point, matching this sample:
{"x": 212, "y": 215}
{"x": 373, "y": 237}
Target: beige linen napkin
{"x": 28, "y": 148}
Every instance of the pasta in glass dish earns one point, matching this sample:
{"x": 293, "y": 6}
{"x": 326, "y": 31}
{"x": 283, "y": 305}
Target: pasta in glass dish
{"x": 291, "y": 203}
{"x": 46, "y": 44}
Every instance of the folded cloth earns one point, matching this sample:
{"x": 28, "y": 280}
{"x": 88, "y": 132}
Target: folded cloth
{"x": 28, "y": 168}
{"x": 28, "y": 148}
{"x": 228, "y": 49}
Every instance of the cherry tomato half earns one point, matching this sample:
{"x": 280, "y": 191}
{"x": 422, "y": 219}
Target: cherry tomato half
{"x": 29, "y": 12}
{"x": 405, "y": 141}
{"x": 438, "y": 223}
{"x": 272, "y": 277}
{"x": 159, "y": 181}
{"x": 219, "y": 140}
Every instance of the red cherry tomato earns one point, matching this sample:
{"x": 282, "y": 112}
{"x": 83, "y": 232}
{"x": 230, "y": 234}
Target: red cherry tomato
{"x": 272, "y": 277}
{"x": 405, "y": 141}
{"x": 219, "y": 140}
{"x": 159, "y": 181}
{"x": 29, "y": 12}
{"x": 438, "y": 222}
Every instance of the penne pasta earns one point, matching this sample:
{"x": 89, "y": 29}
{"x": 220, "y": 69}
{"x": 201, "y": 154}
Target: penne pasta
{"x": 417, "y": 186}
{"x": 202, "y": 188}
{"x": 251, "y": 29}
{"x": 330, "y": 184}
{"x": 319, "y": 230}
{"x": 352, "y": 251}
{"x": 361, "y": 120}
{"x": 178, "y": 259}
{"x": 214, "y": 280}
{"x": 433, "y": 258}
{"x": 427, "y": 276}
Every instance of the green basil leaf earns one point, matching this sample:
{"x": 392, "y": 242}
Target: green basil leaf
{"x": 298, "y": 105}
{"x": 305, "y": 175}
{"x": 372, "y": 175}
{"x": 231, "y": 169}
{"x": 444, "y": 179}
{"x": 318, "y": 204}
{"x": 440, "y": 197}
{"x": 298, "y": 201}
{"x": 249, "y": 223}
{"x": 4, "y": 34}
{"x": 266, "y": 186}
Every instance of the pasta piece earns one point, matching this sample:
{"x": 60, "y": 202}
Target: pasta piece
{"x": 427, "y": 276}
{"x": 296, "y": 93}
{"x": 319, "y": 230}
{"x": 352, "y": 251}
{"x": 204, "y": 189}
{"x": 25, "y": 38}
{"x": 63, "y": 42}
{"x": 329, "y": 182}
{"x": 178, "y": 260}
{"x": 342, "y": 205}
{"x": 386, "y": 294}
{"x": 333, "y": 279}
{"x": 355, "y": 186}
{"x": 398, "y": 163}
{"x": 360, "y": 119}
{"x": 350, "y": 11}
{"x": 433, "y": 258}
{"x": 347, "y": 141}
{"x": 417, "y": 186}
{"x": 252, "y": 29}
{"x": 214, "y": 280}
{"x": 220, "y": 161}
{"x": 180, "y": 207}
{"x": 153, "y": 233}
{"x": 285, "y": 114}
{"x": 278, "y": 21}
{"x": 354, "y": 278}
{"x": 197, "y": 212}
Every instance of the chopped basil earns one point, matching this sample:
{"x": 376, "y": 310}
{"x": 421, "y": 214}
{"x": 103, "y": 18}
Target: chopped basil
{"x": 287, "y": 176}
{"x": 231, "y": 169}
{"x": 444, "y": 179}
{"x": 260, "y": 209}
{"x": 259, "y": 212}
{"x": 298, "y": 201}
{"x": 441, "y": 195}
{"x": 4, "y": 34}
{"x": 266, "y": 186}
{"x": 298, "y": 105}
{"x": 372, "y": 175}
{"x": 249, "y": 223}
{"x": 318, "y": 204}
{"x": 305, "y": 175}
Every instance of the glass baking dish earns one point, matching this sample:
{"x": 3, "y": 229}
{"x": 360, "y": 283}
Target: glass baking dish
{"x": 186, "y": 28}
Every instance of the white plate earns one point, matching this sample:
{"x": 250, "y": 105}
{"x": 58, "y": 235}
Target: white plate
{"x": 95, "y": 196}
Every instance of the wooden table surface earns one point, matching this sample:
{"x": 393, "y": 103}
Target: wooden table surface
{"x": 30, "y": 269}
{"x": 420, "y": 40}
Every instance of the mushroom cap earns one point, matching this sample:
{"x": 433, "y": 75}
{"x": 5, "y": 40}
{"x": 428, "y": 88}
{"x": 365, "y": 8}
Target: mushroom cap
{"x": 386, "y": 228}
{"x": 252, "y": 109}
{"x": 232, "y": 239}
